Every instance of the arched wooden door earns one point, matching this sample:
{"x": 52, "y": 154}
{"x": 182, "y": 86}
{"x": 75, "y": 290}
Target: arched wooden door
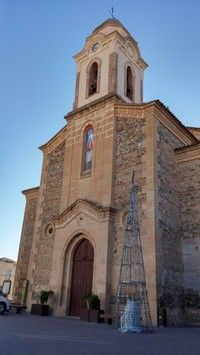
{"x": 82, "y": 274}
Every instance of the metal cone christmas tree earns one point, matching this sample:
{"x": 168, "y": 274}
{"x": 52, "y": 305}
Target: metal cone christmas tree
{"x": 132, "y": 311}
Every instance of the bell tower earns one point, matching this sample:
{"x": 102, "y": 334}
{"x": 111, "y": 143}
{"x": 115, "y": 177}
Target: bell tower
{"x": 110, "y": 62}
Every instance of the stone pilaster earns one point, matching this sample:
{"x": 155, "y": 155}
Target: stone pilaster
{"x": 112, "y": 78}
{"x": 76, "y": 91}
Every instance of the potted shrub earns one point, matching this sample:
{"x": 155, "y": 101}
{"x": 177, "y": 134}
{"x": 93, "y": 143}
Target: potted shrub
{"x": 91, "y": 314}
{"x": 42, "y": 308}
{"x": 44, "y": 296}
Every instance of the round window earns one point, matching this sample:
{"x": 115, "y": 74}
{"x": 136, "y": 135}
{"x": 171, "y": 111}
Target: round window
{"x": 49, "y": 230}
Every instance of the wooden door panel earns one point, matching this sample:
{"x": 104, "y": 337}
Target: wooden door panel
{"x": 82, "y": 275}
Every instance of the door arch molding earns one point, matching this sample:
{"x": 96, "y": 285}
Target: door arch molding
{"x": 66, "y": 267}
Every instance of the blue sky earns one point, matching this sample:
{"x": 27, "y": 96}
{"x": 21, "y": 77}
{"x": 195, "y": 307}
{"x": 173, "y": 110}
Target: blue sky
{"x": 37, "y": 73}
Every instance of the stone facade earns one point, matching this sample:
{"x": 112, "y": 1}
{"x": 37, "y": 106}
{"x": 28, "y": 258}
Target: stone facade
{"x": 169, "y": 253}
{"x": 47, "y": 207}
{"x": 130, "y": 148}
{"x": 26, "y": 239}
{"x": 189, "y": 175}
{"x": 130, "y": 143}
{"x": 72, "y": 204}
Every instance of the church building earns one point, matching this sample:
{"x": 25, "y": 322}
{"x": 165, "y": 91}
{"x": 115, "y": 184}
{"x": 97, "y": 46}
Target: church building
{"x": 74, "y": 221}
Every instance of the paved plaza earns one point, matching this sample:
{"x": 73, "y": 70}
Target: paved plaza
{"x": 34, "y": 335}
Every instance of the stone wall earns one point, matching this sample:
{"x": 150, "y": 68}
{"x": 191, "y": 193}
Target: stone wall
{"x": 189, "y": 180}
{"x": 26, "y": 239}
{"x": 169, "y": 254}
{"x": 50, "y": 204}
{"x": 130, "y": 148}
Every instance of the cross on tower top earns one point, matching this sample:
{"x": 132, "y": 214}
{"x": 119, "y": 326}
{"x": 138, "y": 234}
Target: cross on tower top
{"x": 112, "y": 12}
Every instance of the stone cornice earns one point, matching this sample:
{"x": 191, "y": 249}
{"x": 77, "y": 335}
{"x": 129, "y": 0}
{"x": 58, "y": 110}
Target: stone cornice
{"x": 195, "y": 131}
{"x": 188, "y": 153}
{"x": 159, "y": 110}
{"x": 83, "y": 206}
{"x": 194, "y": 128}
{"x": 163, "y": 115}
{"x": 129, "y": 110}
{"x": 142, "y": 64}
{"x": 94, "y": 105}
{"x": 7, "y": 260}
{"x": 104, "y": 39}
{"x": 173, "y": 124}
{"x": 55, "y": 141}
{"x": 31, "y": 193}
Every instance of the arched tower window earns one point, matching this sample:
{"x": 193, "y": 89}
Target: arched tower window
{"x": 93, "y": 77}
{"x": 88, "y": 145}
{"x": 129, "y": 83}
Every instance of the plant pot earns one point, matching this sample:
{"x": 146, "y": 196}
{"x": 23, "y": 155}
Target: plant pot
{"x": 40, "y": 309}
{"x": 84, "y": 314}
{"x": 93, "y": 315}
{"x": 89, "y": 315}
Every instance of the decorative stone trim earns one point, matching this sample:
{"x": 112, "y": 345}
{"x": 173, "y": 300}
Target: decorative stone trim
{"x": 102, "y": 212}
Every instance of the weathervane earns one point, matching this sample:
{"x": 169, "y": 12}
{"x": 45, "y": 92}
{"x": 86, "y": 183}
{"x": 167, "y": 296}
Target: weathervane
{"x": 112, "y": 12}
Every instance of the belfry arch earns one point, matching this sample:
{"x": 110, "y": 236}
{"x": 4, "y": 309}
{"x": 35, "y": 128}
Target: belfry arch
{"x": 93, "y": 77}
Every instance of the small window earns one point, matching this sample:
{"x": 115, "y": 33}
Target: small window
{"x": 129, "y": 83}
{"x": 88, "y": 148}
{"x": 93, "y": 75}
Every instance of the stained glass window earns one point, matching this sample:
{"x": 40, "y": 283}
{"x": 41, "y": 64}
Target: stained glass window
{"x": 88, "y": 148}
